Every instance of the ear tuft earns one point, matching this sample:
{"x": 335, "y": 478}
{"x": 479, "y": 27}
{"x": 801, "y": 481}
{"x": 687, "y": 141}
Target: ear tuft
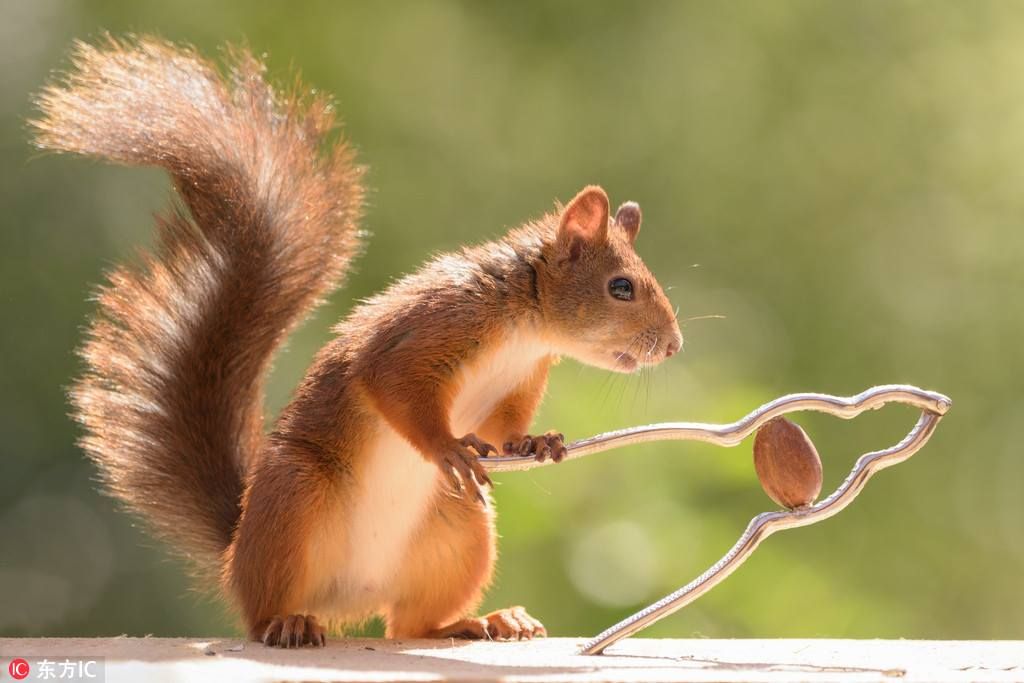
{"x": 628, "y": 218}
{"x": 586, "y": 216}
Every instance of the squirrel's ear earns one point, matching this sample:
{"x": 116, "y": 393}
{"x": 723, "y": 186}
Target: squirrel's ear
{"x": 585, "y": 219}
{"x": 628, "y": 218}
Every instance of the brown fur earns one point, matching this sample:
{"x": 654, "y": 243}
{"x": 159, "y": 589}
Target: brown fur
{"x": 172, "y": 398}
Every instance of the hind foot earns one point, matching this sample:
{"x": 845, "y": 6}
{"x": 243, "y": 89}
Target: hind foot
{"x": 294, "y": 631}
{"x": 511, "y": 623}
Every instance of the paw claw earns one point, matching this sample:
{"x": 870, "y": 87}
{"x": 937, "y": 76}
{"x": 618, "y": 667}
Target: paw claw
{"x": 294, "y": 631}
{"x": 466, "y": 472}
{"x": 272, "y": 634}
{"x": 476, "y": 443}
{"x": 512, "y": 623}
{"x": 548, "y": 445}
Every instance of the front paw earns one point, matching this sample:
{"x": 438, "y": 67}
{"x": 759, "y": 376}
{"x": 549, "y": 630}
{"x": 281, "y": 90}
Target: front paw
{"x": 463, "y": 467}
{"x": 548, "y": 445}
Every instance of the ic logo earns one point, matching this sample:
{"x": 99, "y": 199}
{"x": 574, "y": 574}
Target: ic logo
{"x": 18, "y": 669}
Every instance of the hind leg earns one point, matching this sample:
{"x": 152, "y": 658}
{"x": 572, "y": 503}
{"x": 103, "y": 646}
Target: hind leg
{"x": 449, "y": 565}
{"x": 266, "y": 567}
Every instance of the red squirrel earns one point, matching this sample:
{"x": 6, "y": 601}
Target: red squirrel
{"x": 367, "y": 496}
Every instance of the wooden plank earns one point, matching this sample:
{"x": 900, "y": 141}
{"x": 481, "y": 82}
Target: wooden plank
{"x": 638, "y": 659}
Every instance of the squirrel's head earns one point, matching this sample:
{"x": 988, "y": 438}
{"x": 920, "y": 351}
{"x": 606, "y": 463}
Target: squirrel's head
{"x": 605, "y": 305}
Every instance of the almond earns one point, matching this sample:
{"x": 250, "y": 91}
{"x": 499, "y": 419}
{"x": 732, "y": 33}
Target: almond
{"x": 787, "y": 463}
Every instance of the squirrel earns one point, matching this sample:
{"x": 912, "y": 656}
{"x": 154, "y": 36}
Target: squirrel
{"x": 367, "y": 497}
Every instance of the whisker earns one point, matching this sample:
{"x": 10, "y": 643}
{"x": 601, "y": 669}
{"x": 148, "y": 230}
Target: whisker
{"x": 645, "y": 377}
{"x": 608, "y": 385}
{"x": 633, "y": 349}
{"x": 644, "y": 367}
{"x": 636, "y": 387}
{"x": 648, "y": 381}
{"x": 710, "y": 316}
{"x": 604, "y": 390}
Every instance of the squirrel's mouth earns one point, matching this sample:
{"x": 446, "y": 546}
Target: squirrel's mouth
{"x": 625, "y": 361}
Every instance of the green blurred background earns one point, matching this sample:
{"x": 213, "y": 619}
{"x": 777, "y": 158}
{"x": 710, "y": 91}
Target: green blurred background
{"x": 842, "y": 181}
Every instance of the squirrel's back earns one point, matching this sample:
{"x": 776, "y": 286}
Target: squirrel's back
{"x": 267, "y": 222}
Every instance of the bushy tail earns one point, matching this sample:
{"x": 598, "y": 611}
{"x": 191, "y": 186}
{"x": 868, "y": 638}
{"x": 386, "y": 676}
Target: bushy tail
{"x": 172, "y": 398}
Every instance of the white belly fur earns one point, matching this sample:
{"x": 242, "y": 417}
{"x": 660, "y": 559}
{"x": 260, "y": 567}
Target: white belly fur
{"x": 399, "y": 484}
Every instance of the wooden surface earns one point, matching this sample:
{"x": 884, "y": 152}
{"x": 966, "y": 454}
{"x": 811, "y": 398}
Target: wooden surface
{"x": 211, "y": 659}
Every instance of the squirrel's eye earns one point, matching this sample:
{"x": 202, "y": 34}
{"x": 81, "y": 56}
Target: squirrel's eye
{"x": 621, "y": 288}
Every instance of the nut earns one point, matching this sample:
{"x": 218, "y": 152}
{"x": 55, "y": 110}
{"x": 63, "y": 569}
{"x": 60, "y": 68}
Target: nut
{"x": 787, "y": 463}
